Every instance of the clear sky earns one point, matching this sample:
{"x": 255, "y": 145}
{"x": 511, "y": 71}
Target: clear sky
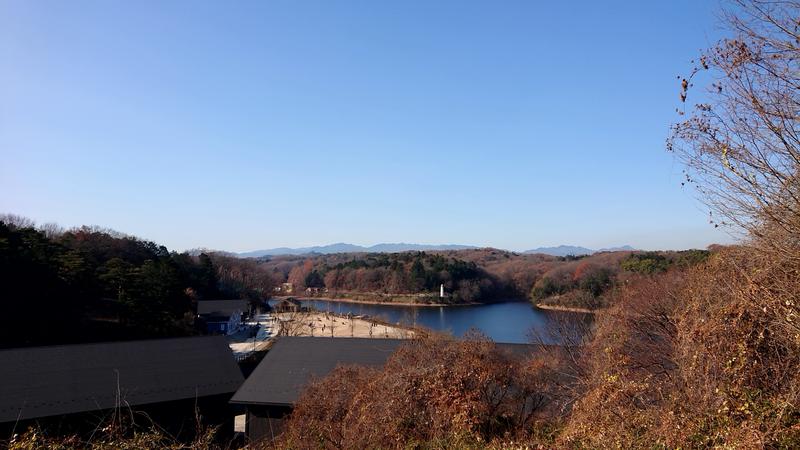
{"x": 255, "y": 124}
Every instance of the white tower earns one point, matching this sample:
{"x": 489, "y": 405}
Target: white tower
{"x": 441, "y": 291}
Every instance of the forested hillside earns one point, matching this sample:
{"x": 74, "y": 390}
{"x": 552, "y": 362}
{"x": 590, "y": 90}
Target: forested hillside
{"x": 90, "y": 284}
{"x": 393, "y": 274}
{"x": 474, "y": 275}
{"x": 588, "y": 282}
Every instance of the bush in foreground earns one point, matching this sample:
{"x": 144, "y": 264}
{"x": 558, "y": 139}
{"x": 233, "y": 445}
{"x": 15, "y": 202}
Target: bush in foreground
{"x": 433, "y": 392}
{"x": 709, "y": 359}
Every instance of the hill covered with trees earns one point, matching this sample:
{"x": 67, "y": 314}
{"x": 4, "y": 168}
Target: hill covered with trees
{"x": 411, "y": 276}
{"x": 89, "y": 284}
{"x": 472, "y": 275}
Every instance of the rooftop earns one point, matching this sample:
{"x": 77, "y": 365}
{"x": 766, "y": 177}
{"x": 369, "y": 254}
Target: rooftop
{"x": 221, "y": 307}
{"x": 48, "y": 381}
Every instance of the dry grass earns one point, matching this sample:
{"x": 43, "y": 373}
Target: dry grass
{"x": 116, "y": 432}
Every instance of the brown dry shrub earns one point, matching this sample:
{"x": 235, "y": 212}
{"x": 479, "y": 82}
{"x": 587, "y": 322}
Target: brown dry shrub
{"x": 321, "y": 416}
{"x": 433, "y": 392}
{"x": 705, "y": 359}
{"x": 628, "y": 366}
{"x": 738, "y": 350}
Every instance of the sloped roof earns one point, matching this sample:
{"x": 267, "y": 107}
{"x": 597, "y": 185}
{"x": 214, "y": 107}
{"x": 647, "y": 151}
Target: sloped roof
{"x": 48, "y": 381}
{"x": 221, "y": 307}
{"x": 293, "y": 361}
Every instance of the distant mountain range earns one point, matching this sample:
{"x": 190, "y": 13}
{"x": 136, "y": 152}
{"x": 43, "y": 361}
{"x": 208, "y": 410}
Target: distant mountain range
{"x": 350, "y": 248}
{"x": 564, "y": 250}
{"x": 561, "y": 250}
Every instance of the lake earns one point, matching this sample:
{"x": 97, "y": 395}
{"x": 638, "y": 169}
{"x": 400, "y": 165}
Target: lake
{"x": 511, "y": 321}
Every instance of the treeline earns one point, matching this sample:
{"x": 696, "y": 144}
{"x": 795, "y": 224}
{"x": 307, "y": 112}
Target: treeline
{"x": 476, "y": 275}
{"x": 91, "y": 284}
{"x": 587, "y": 282}
{"x": 397, "y": 273}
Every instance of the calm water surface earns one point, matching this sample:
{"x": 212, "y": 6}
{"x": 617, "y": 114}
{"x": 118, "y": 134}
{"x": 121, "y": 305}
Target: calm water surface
{"x": 513, "y": 321}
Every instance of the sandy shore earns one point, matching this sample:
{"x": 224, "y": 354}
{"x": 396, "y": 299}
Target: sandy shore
{"x": 566, "y": 309}
{"x": 330, "y": 325}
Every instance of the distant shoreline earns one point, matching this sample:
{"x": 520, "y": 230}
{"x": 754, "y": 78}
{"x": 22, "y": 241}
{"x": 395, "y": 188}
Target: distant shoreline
{"x": 375, "y": 302}
{"x": 389, "y": 303}
{"x": 407, "y": 304}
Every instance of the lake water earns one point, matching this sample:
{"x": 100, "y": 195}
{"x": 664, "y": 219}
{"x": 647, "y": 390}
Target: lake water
{"x": 513, "y": 321}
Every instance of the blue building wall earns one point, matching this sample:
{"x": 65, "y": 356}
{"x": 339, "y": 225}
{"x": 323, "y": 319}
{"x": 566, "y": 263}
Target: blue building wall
{"x": 217, "y": 327}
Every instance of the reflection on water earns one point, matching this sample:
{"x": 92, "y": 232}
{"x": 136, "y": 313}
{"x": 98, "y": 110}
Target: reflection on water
{"x": 513, "y": 321}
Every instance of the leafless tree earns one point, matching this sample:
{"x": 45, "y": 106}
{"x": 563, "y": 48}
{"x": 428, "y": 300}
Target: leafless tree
{"x": 51, "y": 230}
{"x": 741, "y": 142}
{"x": 291, "y": 323}
{"x": 16, "y": 221}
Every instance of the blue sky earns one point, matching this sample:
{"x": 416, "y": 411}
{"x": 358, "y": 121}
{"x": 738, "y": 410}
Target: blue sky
{"x": 255, "y": 124}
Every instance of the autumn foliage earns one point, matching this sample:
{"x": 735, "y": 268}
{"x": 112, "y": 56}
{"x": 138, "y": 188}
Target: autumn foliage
{"x": 432, "y": 390}
{"x": 706, "y": 358}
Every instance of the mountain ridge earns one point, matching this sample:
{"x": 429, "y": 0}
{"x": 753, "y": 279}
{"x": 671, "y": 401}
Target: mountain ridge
{"x": 574, "y": 250}
{"x": 343, "y": 247}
